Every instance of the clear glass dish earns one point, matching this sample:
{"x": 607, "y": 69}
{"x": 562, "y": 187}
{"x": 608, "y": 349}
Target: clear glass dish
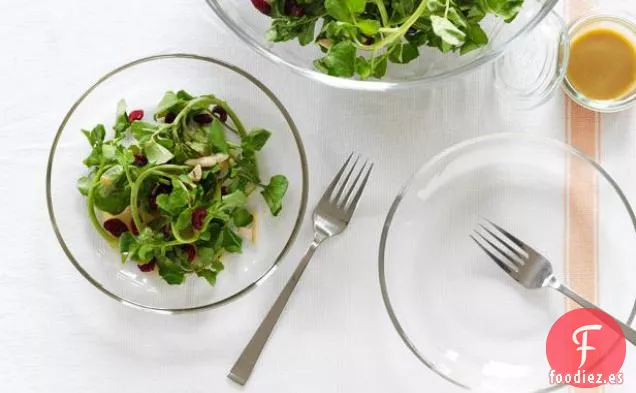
{"x": 533, "y": 69}
{"x": 621, "y": 22}
{"x": 458, "y": 312}
{"x": 251, "y": 26}
{"x": 142, "y": 83}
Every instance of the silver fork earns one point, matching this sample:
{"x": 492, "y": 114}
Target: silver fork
{"x": 529, "y": 268}
{"x": 331, "y": 217}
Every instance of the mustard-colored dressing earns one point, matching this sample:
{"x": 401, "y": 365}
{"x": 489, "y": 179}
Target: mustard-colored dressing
{"x": 602, "y": 64}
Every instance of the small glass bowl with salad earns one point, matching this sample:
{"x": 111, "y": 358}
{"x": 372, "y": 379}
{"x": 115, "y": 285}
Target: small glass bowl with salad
{"x": 176, "y": 183}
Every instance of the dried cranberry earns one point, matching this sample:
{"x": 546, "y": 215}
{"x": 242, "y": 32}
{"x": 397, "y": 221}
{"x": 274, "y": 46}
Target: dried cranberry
{"x": 169, "y": 117}
{"x": 140, "y": 159}
{"x": 191, "y": 251}
{"x": 263, "y": 6}
{"x": 158, "y": 189}
{"x": 133, "y": 228}
{"x": 203, "y": 118}
{"x": 220, "y": 113}
{"x": 293, "y": 9}
{"x": 136, "y": 115}
{"x": 115, "y": 227}
{"x": 197, "y": 218}
{"x": 148, "y": 267}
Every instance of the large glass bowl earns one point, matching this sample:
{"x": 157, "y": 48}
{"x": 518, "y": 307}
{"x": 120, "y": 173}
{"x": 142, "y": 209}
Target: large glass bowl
{"x": 251, "y": 26}
{"x": 142, "y": 83}
{"x": 454, "y": 308}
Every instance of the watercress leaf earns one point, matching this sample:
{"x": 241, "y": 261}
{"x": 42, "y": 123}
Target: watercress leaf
{"x": 143, "y": 130}
{"x": 230, "y": 241}
{"x": 109, "y": 153}
{"x": 121, "y": 119}
{"x": 255, "y": 140}
{"x": 436, "y": 5}
{"x": 95, "y": 158}
{"x": 98, "y": 134}
{"x": 198, "y": 147}
{"x": 306, "y": 34}
{"x": 363, "y": 68}
{"x": 184, "y": 95}
{"x": 402, "y": 53}
{"x": 205, "y": 256}
{"x": 88, "y": 136}
{"x": 457, "y": 18}
{"x": 476, "y": 38}
{"x": 169, "y": 103}
{"x": 507, "y": 9}
{"x": 242, "y": 217}
{"x": 233, "y": 200}
{"x": 379, "y": 66}
{"x": 174, "y": 202}
{"x": 216, "y": 137}
{"x": 112, "y": 193}
{"x": 156, "y": 153}
{"x": 447, "y": 31}
{"x": 145, "y": 253}
{"x": 274, "y": 193}
{"x": 84, "y": 183}
{"x": 286, "y": 28}
{"x": 184, "y": 220}
{"x": 369, "y": 27}
{"x": 475, "y": 13}
{"x": 127, "y": 245}
{"x": 339, "y": 61}
{"x": 171, "y": 271}
{"x": 217, "y": 266}
{"x": 209, "y": 275}
{"x": 344, "y": 10}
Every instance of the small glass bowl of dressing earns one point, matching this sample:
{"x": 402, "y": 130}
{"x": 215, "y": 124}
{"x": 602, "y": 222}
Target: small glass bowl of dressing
{"x": 601, "y": 74}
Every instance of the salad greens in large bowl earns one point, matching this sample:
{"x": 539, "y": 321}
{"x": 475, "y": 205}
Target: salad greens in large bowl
{"x": 176, "y": 183}
{"x": 381, "y": 44}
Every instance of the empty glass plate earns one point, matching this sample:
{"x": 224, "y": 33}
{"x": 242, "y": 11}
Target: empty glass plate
{"x": 454, "y": 308}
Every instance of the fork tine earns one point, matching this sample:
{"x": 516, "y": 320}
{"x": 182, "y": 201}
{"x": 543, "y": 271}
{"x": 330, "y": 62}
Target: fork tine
{"x": 518, "y": 253}
{"x": 504, "y": 266}
{"x": 346, "y": 181}
{"x": 329, "y": 191}
{"x": 511, "y": 259}
{"x": 507, "y": 234}
{"x": 356, "y": 198}
{"x": 342, "y": 203}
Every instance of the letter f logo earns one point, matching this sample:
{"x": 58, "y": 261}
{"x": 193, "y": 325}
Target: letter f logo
{"x": 584, "y": 348}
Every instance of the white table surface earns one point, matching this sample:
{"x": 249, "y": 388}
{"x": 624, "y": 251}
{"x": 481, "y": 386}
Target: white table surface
{"x": 59, "y": 334}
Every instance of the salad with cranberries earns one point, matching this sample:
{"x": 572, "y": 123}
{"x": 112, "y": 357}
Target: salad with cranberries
{"x": 172, "y": 191}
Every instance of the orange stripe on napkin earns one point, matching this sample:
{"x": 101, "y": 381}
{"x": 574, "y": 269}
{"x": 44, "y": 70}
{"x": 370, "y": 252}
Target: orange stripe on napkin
{"x": 583, "y": 132}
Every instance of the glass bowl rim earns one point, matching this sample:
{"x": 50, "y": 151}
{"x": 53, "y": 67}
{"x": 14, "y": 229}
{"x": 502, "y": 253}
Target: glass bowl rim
{"x": 508, "y": 136}
{"x": 623, "y": 19}
{"x": 378, "y": 85}
{"x": 303, "y": 197}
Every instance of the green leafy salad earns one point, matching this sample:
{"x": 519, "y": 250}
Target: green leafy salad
{"x": 360, "y": 37}
{"x": 172, "y": 192}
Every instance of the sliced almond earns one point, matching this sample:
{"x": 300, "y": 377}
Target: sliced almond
{"x": 196, "y": 173}
{"x": 208, "y": 161}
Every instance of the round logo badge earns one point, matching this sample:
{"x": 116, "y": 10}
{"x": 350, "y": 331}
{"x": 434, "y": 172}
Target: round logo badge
{"x": 586, "y": 348}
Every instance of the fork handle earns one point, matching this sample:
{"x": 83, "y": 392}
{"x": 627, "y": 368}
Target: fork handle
{"x": 630, "y": 334}
{"x": 244, "y": 365}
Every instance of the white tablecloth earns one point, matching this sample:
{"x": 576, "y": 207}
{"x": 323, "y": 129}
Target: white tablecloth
{"x": 59, "y": 334}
